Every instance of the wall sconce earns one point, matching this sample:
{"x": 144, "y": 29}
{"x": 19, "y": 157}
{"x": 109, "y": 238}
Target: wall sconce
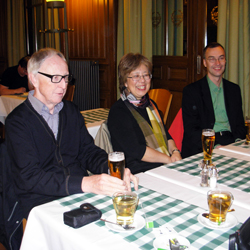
{"x": 214, "y": 15}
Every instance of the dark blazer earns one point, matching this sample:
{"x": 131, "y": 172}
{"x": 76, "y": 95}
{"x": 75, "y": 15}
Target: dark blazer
{"x": 198, "y": 113}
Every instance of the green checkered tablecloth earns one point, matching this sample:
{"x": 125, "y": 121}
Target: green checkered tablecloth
{"x": 163, "y": 210}
{"x": 95, "y": 115}
{"x": 241, "y": 144}
{"x": 233, "y": 172}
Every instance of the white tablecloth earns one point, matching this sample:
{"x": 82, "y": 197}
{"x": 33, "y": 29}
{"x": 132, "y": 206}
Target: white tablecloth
{"x": 187, "y": 187}
{"x": 94, "y": 118}
{"x": 93, "y": 128}
{"x": 45, "y": 223}
{"x": 39, "y": 236}
{"x": 8, "y": 103}
{"x": 237, "y": 148}
{"x": 45, "y": 229}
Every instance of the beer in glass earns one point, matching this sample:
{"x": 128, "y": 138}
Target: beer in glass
{"x": 116, "y": 162}
{"x": 247, "y": 125}
{"x": 218, "y": 203}
{"x": 208, "y": 138}
{"x": 125, "y": 204}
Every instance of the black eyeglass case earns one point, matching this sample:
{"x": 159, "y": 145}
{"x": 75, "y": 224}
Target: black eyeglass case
{"x": 82, "y": 216}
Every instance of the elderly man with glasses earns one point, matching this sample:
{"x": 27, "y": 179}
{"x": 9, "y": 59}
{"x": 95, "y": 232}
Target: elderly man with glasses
{"x": 49, "y": 144}
{"x": 212, "y": 103}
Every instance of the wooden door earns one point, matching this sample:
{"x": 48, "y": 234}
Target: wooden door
{"x": 175, "y": 72}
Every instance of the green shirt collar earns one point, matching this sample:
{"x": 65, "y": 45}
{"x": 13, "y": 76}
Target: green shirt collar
{"x": 212, "y": 86}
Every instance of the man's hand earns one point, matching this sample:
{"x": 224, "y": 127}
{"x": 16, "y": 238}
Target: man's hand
{"x": 108, "y": 185}
{"x": 20, "y": 90}
{"x": 128, "y": 177}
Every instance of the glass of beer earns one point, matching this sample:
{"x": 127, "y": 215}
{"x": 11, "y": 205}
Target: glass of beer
{"x": 218, "y": 203}
{"x": 247, "y": 125}
{"x": 208, "y": 138}
{"x": 125, "y": 204}
{"x": 116, "y": 162}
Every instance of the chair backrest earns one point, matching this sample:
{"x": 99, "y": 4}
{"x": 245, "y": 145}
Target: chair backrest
{"x": 163, "y": 99}
{"x": 176, "y": 129}
{"x": 103, "y": 139}
{"x": 69, "y": 96}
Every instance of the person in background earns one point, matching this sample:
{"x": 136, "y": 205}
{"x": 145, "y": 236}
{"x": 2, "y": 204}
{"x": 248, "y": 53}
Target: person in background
{"x": 134, "y": 123}
{"x": 14, "y": 79}
{"x": 212, "y": 102}
{"x": 49, "y": 144}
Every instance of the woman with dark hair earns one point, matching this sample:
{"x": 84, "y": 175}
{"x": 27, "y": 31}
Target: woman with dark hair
{"x": 134, "y": 122}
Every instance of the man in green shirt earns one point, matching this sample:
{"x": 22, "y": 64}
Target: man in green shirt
{"x": 212, "y": 102}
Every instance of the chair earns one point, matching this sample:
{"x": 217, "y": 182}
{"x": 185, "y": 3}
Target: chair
{"x": 176, "y": 129}
{"x": 24, "y": 224}
{"x": 103, "y": 139}
{"x": 2, "y": 247}
{"x": 70, "y": 93}
{"x": 163, "y": 99}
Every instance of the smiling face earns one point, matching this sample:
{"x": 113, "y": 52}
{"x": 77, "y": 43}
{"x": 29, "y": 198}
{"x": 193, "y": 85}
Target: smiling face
{"x": 215, "y": 62}
{"x": 46, "y": 91}
{"x": 140, "y": 88}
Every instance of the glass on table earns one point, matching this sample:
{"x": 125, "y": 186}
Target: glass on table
{"x": 247, "y": 125}
{"x": 116, "y": 163}
{"x": 219, "y": 202}
{"x": 125, "y": 204}
{"x": 208, "y": 139}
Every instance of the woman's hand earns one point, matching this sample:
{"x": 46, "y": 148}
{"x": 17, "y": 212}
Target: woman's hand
{"x": 176, "y": 156}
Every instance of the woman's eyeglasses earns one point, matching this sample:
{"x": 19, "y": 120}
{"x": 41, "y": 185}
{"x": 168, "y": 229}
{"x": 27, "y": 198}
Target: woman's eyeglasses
{"x": 137, "y": 78}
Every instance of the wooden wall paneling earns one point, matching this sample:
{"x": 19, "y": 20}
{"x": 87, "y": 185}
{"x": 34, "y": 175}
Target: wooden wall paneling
{"x": 171, "y": 72}
{"x": 89, "y": 20}
{"x": 94, "y": 38}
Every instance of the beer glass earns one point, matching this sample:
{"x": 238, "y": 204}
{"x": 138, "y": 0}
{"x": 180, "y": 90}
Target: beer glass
{"x": 116, "y": 163}
{"x": 125, "y": 204}
{"x": 247, "y": 125}
{"x": 218, "y": 203}
{"x": 208, "y": 138}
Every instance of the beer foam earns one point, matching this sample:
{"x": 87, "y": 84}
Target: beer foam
{"x": 116, "y": 156}
{"x": 208, "y": 133}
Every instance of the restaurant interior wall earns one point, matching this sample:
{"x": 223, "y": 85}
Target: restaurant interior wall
{"x": 94, "y": 38}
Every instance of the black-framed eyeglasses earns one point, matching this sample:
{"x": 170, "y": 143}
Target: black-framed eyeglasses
{"x": 137, "y": 78}
{"x": 58, "y": 78}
